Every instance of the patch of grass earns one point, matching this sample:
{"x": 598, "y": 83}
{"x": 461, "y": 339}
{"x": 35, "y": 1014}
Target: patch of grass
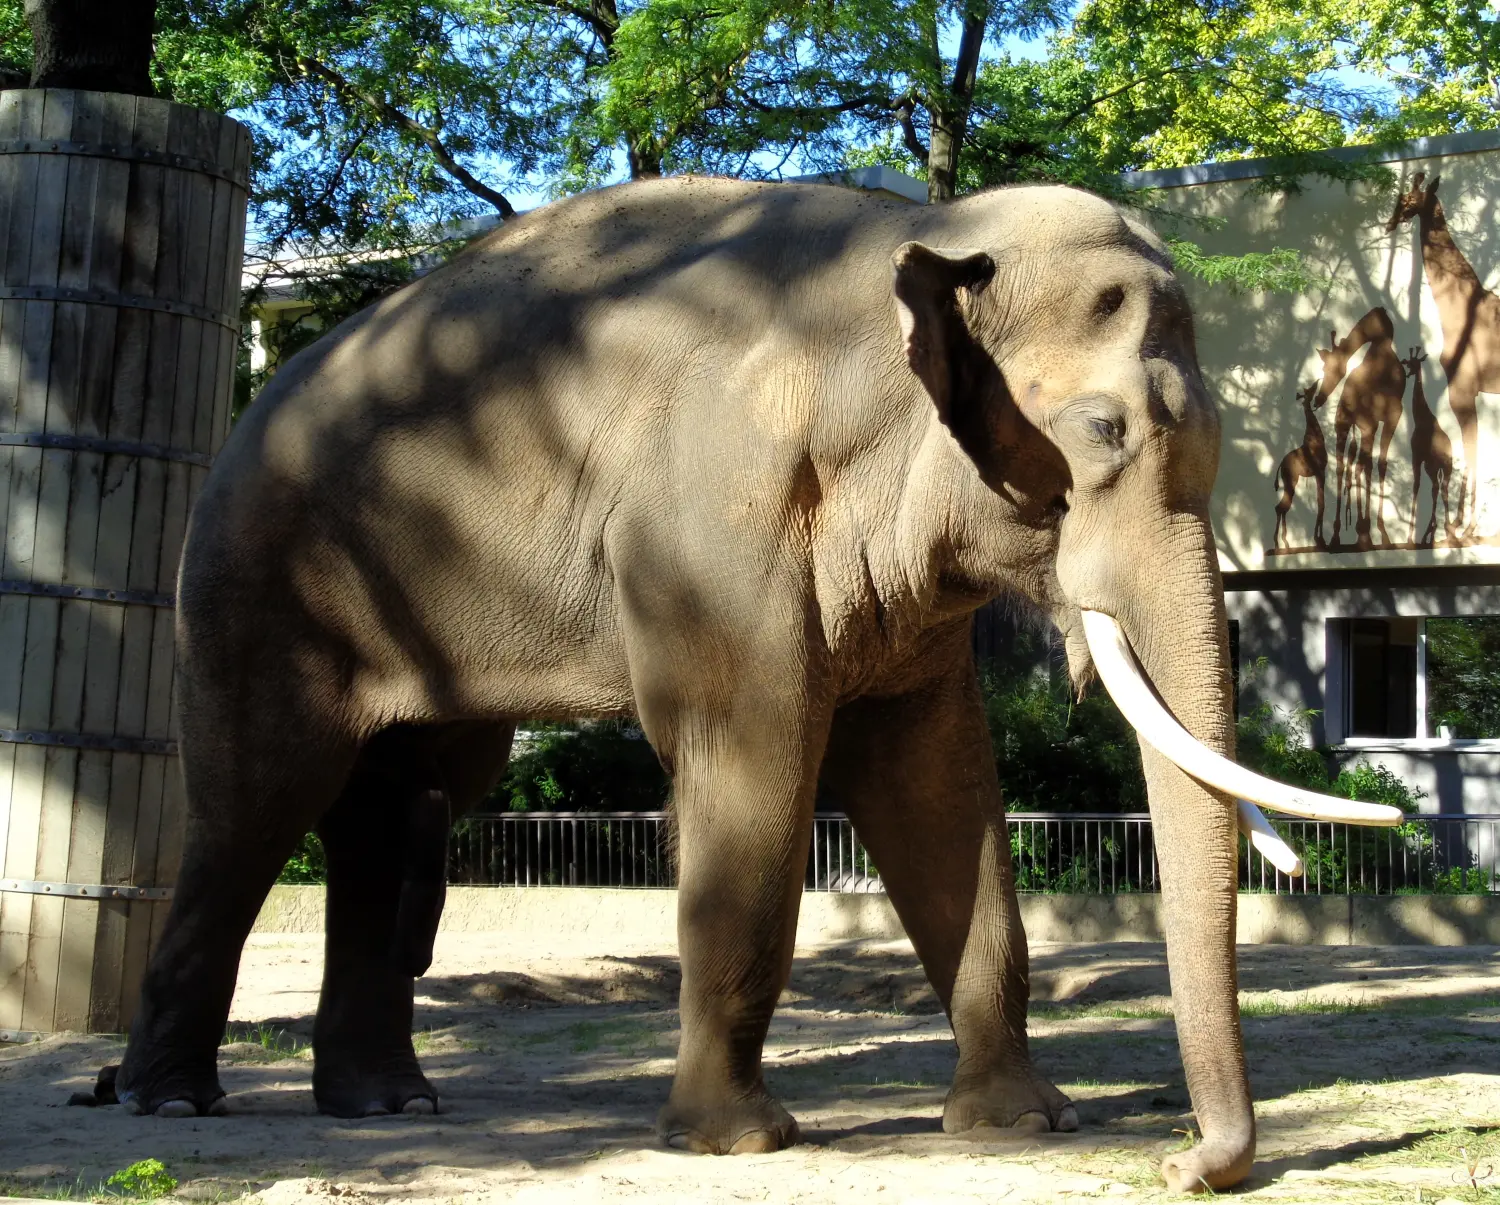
{"x": 45, "y": 1190}
{"x": 629, "y": 1037}
{"x": 1272, "y": 1006}
{"x": 1111, "y": 1012}
{"x": 1444, "y": 1149}
{"x": 275, "y": 1042}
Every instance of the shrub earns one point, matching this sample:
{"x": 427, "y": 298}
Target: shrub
{"x": 594, "y": 766}
{"x": 1054, "y": 754}
{"x": 308, "y": 864}
{"x": 146, "y": 1180}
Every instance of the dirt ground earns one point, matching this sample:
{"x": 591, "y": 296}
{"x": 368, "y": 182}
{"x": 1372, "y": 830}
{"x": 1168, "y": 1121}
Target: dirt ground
{"x": 1376, "y": 1074}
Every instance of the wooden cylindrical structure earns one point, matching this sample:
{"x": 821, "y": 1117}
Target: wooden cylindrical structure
{"x": 122, "y": 225}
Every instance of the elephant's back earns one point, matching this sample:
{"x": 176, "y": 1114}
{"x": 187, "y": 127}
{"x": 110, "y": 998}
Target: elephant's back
{"x": 446, "y": 462}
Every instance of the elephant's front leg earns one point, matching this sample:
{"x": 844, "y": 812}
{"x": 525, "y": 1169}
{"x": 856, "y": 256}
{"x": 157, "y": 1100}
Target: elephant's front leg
{"x": 917, "y": 776}
{"x": 743, "y": 795}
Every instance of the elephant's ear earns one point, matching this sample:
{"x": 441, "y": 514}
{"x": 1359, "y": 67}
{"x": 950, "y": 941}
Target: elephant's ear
{"x": 927, "y": 280}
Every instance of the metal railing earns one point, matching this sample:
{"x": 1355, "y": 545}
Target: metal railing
{"x": 1053, "y": 852}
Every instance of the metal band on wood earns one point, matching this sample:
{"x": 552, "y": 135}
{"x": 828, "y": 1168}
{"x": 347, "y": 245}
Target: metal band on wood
{"x": 110, "y": 447}
{"x": 129, "y": 154}
{"x": 85, "y": 891}
{"x": 84, "y": 740}
{"x": 145, "y": 598}
{"x": 129, "y": 301}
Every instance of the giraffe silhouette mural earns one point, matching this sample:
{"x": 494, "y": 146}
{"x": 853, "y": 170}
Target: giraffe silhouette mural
{"x": 1431, "y": 453}
{"x": 1369, "y": 409}
{"x": 1308, "y": 459}
{"x": 1470, "y": 316}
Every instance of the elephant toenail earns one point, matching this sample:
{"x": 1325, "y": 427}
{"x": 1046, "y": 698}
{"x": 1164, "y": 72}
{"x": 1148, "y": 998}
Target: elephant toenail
{"x": 1067, "y": 1120}
{"x": 220, "y": 1107}
{"x": 756, "y": 1142}
{"x": 418, "y": 1105}
{"x": 177, "y": 1108}
{"x": 1032, "y": 1123}
{"x": 687, "y": 1140}
{"x": 131, "y": 1103}
{"x": 376, "y": 1108}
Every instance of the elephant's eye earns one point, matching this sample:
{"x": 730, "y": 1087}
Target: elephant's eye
{"x": 1107, "y": 432}
{"x": 1109, "y": 302}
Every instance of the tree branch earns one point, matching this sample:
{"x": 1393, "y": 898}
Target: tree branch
{"x": 600, "y": 17}
{"x": 846, "y": 106}
{"x": 347, "y": 91}
{"x": 966, "y": 67}
{"x": 909, "y": 131}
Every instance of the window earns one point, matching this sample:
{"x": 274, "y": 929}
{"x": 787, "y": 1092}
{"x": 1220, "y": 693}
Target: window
{"x": 1422, "y": 678}
{"x": 1382, "y": 677}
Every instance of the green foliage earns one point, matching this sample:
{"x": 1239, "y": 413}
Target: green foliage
{"x": 597, "y": 765}
{"x": 1054, "y": 754}
{"x": 1463, "y": 675}
{"x": 308, "y": 865}
{"x": 376, "y": 122}
{"x": 1278, "y": 271}
{"x": 145, "y": 1180}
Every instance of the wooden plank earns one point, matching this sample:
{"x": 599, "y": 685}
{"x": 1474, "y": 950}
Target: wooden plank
{"x": 106, "y": 255}
{"x": 159, "y": 692}
{"x": 118, "y": 866}
{"x": 144, "y": 918}
{"x": 18, "y": 234}
{"x": 20, "y": 862}
{"x": 80, "y": 922}
{"x": 10, "y": 129}
{"x": 51, "y": 188}
{"x": 149, "y": 636}
{"x": 54, "y": 833}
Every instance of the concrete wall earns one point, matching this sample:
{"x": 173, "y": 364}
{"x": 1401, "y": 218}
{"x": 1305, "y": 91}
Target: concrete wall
{"x": 616, "y": 917}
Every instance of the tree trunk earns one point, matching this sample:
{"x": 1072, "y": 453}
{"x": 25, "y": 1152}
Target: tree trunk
{"x": 92, "y": 46}
{"x": 644, "y": 159}
{"x": 950, "y": 114}
{"x": 942, "y": 155}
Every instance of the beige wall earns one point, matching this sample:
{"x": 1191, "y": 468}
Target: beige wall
{"x": 1259, "y": 350}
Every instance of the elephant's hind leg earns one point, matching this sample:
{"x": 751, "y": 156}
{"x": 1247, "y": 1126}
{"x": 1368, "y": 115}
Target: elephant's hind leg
{"x": 917, "y": 776}
{"x": 386, "y": 842}
{"x": 241, "y": 829}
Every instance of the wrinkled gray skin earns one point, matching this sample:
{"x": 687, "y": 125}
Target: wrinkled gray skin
{"x": 741, "y": 460}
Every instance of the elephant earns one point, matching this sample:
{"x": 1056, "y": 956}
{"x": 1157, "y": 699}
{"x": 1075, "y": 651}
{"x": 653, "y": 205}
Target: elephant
{"x": 741, "y": 460}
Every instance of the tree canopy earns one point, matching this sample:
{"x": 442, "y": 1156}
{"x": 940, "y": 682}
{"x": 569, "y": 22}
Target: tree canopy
{"x": 377, "y": 119}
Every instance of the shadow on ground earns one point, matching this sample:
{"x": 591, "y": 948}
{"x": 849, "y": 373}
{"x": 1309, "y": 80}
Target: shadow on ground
{"x": 548, "y": 1068}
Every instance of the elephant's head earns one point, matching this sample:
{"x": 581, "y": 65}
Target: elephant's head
{"x": 1061, "y": 356}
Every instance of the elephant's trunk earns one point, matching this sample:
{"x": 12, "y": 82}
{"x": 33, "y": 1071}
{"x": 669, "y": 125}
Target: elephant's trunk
{"x": 1175, "y": 622}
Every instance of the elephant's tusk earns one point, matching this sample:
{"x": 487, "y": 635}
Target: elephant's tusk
{"x": 1155, "y": 725}
{"x": 1266, "y": 839}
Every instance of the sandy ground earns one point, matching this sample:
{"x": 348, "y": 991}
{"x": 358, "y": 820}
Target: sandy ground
{"x": 1371, "y": 1069}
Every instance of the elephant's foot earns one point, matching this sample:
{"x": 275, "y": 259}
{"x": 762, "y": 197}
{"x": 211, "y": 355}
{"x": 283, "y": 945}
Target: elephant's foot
{"x": 351, "y": 1087}
{"x": 174, "y": 1094}
{"x": 1019, "y": 1103}
{"x": 1210, "y": 1166}
{"x": 749, "y": 1123}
